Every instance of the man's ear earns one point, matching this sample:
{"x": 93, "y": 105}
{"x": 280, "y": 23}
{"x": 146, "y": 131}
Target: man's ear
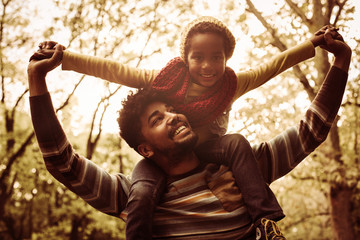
{"x": 145, "y": 150}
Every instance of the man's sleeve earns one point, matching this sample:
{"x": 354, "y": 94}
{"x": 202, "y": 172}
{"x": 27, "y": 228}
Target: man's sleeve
{"x": 105, "y": 192}
{"x": 107, "y": 69}
{"x": 254, "y": 78}
{"x": 280, "y": 155}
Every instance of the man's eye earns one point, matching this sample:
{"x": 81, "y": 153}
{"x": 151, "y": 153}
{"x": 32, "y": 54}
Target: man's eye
{"x": 157, "y": 120}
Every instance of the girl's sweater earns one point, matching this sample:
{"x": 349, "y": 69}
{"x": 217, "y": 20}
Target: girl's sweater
{"x": 116, "y": 72}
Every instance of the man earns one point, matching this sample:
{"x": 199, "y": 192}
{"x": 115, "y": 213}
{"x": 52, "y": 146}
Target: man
{"x": 202, "y": 200}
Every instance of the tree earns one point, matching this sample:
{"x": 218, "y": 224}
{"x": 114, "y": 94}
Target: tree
{"x": 33, "y": 205}
{"x": 340, "y": 171}
{"x": 102, "y": 28}
{"x": 15, "y": 136}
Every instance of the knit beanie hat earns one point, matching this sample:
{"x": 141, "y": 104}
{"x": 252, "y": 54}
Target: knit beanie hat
{"x": 212, "y": 20}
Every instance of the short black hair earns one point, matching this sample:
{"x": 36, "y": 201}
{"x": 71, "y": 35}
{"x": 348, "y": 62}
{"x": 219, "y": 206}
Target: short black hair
{"x": 129, "y": 116}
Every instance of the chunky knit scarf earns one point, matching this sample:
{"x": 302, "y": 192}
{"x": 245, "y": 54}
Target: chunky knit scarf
{"x": 174, "y": 80}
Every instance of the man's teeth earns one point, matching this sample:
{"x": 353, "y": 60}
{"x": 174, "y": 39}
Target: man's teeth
{"x": 179, "y": 130}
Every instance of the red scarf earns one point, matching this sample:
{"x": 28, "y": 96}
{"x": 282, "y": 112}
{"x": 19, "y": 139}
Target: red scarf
{"x": 174, "y": 80}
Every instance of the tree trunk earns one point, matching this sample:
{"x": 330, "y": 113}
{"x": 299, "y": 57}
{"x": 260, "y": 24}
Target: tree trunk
{"x": 76, "y": 223}
{"x": 340, "y": 209}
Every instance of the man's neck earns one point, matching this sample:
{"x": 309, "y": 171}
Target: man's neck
{"x": 182, "y": 164}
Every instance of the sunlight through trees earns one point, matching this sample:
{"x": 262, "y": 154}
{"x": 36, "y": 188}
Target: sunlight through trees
{"x": 321, "y": 197}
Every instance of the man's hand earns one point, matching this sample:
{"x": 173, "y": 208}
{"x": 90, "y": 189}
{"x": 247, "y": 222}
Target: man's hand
{"x": 318, "y": 38}
{"x": 41, "y": 66}
{"x": 37, "y": 70}
{"x": 335, "y": 44}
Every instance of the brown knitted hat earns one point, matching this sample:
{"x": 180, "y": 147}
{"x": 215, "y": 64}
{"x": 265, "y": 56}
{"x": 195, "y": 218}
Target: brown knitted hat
{"x": 191, "y": 25}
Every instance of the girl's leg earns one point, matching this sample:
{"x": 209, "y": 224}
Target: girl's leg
{"x": 235, "y": 151}
{"x": 148, "y": 183}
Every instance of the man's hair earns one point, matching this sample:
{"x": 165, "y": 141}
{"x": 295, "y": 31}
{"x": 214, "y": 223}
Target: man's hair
{"x": 206, "y": 24}
{"x": 129, "y": 116}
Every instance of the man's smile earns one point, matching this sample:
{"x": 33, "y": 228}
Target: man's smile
{"x": 181, "y": 128}
{"x": 178, "y": 129}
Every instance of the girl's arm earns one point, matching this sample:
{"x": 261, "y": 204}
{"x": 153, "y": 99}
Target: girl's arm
{"x": 248, "y": 80}
{"x": 109, "y": 70}
{"x": 251, "y": 79}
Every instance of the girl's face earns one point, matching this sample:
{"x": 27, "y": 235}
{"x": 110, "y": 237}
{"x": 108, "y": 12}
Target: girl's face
{"x": 206, "y": 58}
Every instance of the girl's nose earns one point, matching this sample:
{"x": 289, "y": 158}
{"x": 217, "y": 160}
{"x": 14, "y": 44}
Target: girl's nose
{"x": 206, "y": 64}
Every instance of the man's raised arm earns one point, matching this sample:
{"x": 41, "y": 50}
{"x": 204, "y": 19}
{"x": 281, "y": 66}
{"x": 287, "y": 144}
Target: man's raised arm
{"x": 103, "y": 191}
{"x": 280, "y": 155}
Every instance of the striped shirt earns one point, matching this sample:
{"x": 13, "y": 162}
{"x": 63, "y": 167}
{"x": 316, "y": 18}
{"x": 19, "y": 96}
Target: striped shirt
{"x": 204, "y": 203}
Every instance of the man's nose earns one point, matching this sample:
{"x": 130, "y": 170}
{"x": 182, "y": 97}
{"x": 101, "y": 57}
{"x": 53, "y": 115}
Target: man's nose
{"x": 172, "y": 118}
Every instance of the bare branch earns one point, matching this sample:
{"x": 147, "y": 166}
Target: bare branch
{"x": 154, "y": 23}
{"x": 355, "y": 95}
{"x": 2, "y": 23}
{"x": 318, "y": 18}
{"x": 329, "y": 6}
{"x": 281, "y": 46}
{"x": 17, "y": 102}
{"x": 66, "y": 102}
{"x": 91, "y": 144}
{"x": 28, "y": 139}
{"x": 277, "y": 42}
{"x": 9, "y": 123}
{"x": 335, "y": 143}
{"x": 341, "y": 7}
{"x": 308, "y": 178}
{"x": 15, "y": 156}
{"x": 77, "y": 18}
{"x": 98, "y": 25}
{"x": 304, "y": 81}
{"x": 11, "y": 186}
{"x": 5, "y": 193}
{"x": 299, "y": 12}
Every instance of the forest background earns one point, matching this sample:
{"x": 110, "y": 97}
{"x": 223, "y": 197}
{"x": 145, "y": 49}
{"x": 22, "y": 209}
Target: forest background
{"x": 321, "y": 197}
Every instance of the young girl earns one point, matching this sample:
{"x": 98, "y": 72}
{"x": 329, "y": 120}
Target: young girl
{"x": 200, "y": 85}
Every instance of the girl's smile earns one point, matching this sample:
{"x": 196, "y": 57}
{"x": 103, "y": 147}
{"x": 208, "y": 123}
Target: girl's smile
{"x": 206, "y": 58}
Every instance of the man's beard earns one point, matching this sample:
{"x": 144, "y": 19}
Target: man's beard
{"x": 188, "y": 144}
{"x": 182, "y": 147}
